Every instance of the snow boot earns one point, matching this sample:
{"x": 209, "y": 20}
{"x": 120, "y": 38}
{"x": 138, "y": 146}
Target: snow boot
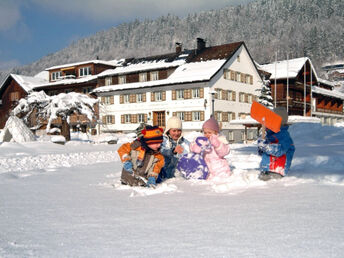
{"x": 267, "y": 175}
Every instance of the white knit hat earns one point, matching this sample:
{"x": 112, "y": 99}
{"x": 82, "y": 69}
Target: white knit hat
{"x": 173, "y": 123}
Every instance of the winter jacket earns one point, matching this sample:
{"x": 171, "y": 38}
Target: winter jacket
{"x": 217, "y": 164}
{"x": 277, "y": 151}
{"x": 171, "y": 158}
{"x": 146, "y": 162}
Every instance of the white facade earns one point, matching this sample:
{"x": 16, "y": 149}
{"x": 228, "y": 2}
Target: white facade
{"x": 199, "y": 108}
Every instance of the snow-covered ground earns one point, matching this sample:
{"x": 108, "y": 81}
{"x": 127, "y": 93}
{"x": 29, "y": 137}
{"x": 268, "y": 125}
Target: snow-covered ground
{"x": 66, "y": 201}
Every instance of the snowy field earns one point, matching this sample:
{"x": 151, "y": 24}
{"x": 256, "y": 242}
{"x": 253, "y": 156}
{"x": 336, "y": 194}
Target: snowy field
{"x": 66, "y": 201}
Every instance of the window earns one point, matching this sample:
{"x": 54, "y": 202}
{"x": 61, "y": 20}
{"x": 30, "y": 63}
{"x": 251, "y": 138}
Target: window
{"x": 56, "y": 75}
{"x": 84, "y": 71}
{"x": 109, "y": 120}
{"x": 181, "y": 116}
{"x": 158, "y": 96}
{"x": 122, "y": 79}
{"x": 219, "y": 116}
{"x": 231, "y": 136}
{"x": 127, "y": 118}
{"x": 242, "y": 115}
{"x": 126, "y": 98}
{"x": 196, "y": 116}
{"x": 154, "y": 76}
{"x": 139, "y": 97}
{"x": 247, "y": 78}
{"x": 14, "y": 96}
{"x": 143, "y": 77}
{"x": 238, "y": 58}
{"x": 196, "y": 93}
{"x": 231, "y": 95}
{"x": 238, "y": 76}
{"x": 226, "y": 74}
{"x": 249, "y": 98}
{"x": 241, "y": 97}
{"x": 87, "y": 90}
{"x": 218, "y": 93}
{"x": 141, "y": 118}
{"x": 180, "y": 94}
{"x": 250, "y": 135}
{"x": 107, "y": 100}
{"x": 108, "y": 81}
{"x": 231, "y": 116}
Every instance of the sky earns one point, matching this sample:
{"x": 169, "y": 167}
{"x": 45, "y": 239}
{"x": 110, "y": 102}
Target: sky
{"x": 32, "y": 29}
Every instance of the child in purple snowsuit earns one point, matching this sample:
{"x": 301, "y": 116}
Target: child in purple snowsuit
{"x": 217, "y": 164}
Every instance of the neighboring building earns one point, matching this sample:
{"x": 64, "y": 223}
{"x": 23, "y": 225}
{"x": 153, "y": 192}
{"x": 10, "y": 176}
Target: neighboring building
{"x": 335, "y": 72}
{"x": 191, "y": 84}
{"x": 78, "y": 77}
{"x": 296, "y": 86}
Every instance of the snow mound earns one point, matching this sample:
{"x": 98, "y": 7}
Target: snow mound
{"x": 15, "y": 130}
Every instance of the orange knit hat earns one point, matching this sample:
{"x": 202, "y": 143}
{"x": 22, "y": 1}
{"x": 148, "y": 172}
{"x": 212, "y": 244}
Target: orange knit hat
{"x": 152, "y": 134}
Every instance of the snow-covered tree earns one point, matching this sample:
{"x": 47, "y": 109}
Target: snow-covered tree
{"x": 265, "y": 97}
{"x": 47, "y": 108}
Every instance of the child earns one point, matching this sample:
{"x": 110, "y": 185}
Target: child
{"x": 217, "y": 164}
{"x": 141, "y": 159}
{"x": 277, "y": 150}
{"x": 173, "y": 147}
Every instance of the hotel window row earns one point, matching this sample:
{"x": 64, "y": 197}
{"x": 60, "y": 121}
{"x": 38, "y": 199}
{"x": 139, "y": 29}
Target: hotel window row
{"x": 237, "y": 76}
{"x": 143, "y": 77}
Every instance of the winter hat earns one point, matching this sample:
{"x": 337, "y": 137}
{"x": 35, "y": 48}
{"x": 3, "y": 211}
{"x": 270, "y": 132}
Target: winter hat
{"x": 174, "y": 122}
{"x": 282, "y": 112}
{"x": 152, "y": 134}
{"x": 211, "y": 124}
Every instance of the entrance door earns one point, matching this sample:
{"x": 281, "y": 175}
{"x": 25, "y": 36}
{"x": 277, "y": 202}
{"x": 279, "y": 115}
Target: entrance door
{"x": 159, "y": 118}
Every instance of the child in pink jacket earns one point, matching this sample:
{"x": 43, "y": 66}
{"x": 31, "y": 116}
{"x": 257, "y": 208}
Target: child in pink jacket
{"x": 217, "y": 164}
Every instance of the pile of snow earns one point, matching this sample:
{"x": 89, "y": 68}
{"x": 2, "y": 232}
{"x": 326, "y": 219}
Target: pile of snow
{"x": 16, "y": 130}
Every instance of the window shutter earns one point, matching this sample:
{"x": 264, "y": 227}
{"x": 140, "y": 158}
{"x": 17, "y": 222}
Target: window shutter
{"x": 163, "y": 95}
{"x": 242, "y": 77}
{"x": 122, "y": 119}
{"x": 188, "y": 93}
{"x": 121, "y": 99}
{"x": 225, "y": 73}
{"x": 251, "y": 79}
{"x": 133, "y": 118}
{"x": 174, "y": 95}
{"x": 223, "y": 94}
{"x": 104, "y": 120}
{"x": 112, "y": 100}
{"x": 246, "y": 98}
{"x": 102, "y": 99}
{"x": 145, "y": 118}
{"x": 234, "y": 96}
{"x": 144, "y": 99}
{"x": 202, "y": 115}
{"x": 225, "y": 116}
{"x": 188, "y": 116}
{"x": 232, "y": 75}
{"x": 113, "y": 119}
{"x": 201, "y": 92}
{"x": 152, "y": 97}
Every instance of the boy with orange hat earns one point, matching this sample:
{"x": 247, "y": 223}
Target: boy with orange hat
{"x": 142, "y": 160}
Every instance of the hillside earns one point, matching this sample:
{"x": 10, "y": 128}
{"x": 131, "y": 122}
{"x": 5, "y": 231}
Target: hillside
{"x": 311, "y": 27}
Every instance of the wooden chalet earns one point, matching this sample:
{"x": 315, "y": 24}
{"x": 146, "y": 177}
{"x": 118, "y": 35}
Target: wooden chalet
{"x": 296, "y": 86}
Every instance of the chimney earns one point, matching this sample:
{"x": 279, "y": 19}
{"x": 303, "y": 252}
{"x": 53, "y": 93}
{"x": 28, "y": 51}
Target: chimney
{"x": 200, "y": 44}
{"x": 178, "y": 47}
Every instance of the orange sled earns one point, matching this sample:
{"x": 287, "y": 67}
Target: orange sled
{"x": 266, "y": 117}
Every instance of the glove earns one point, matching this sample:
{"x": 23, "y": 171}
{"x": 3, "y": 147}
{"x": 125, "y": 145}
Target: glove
{"x": 151, "y": 181}
{"x": 128, "y": 166}
{"x": 214, "y": 140}
{"x": 262, "y": 144}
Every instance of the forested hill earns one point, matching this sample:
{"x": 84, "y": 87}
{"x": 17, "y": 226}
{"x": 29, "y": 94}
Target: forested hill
{"x": 314, "y": 28}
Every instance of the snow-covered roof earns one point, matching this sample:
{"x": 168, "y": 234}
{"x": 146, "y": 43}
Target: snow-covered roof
{"x": 331, "y": 93}
{"x": 327, "y": 82}
{"x": 286, "y": 68}
{"x": 28, "y": 82}
{"x": 185, "y": 73}
{"x": 68, "y": 81}
{"x": 112, "y": 63}
{"x": 143, "y": 66}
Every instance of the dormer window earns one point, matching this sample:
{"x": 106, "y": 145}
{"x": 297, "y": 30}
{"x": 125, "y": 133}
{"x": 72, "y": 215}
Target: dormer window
{"x": 56, "y": 75}
{"x": 154, "y": 76}
{"x": 85, "y": 71}
{"x": 143, "y": 77}
{"x": 122, "y": 79}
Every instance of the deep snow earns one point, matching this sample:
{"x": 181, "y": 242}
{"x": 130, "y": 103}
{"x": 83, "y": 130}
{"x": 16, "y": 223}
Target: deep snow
{"x": 66, "y": 201}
